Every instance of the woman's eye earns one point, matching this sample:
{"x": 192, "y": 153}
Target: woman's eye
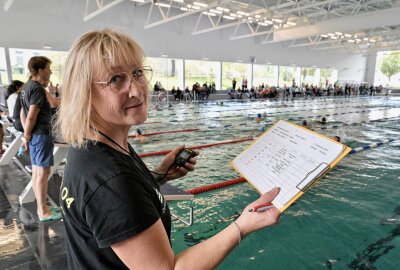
{"x": 138, "y": 73}
{"x": 116, "y": 79}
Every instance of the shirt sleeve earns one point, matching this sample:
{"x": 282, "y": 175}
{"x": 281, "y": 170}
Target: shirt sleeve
{"x": 37, "y": 97}
{"x": 119, "y": 209}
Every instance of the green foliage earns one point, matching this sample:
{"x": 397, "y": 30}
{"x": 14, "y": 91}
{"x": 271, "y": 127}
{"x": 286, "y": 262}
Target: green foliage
{"x": 287, "y": 75}
{"x": 390, "y": 64}
{"x": 326, "y": 73}
{"x": 264, "y": 74}
{"x": 307, "y": 75}
{"x": 201, "y": 72}
{"x": 235, "y": 71}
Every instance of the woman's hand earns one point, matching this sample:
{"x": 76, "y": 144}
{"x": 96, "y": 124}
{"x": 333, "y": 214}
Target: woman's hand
{"x": 252, "y": 221}
{"x": 169, "y": 163}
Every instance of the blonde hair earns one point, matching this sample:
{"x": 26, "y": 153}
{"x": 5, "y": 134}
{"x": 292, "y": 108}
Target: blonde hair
{"x": 91, "y": 56}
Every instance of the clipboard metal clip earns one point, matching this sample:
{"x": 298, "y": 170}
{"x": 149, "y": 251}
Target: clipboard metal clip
{"x": 312, "y": 176}
{"x": 187, "y": 223}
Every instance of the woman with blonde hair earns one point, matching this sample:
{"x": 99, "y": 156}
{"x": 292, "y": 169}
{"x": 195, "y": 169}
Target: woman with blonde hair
{"x": 114, "y": 214}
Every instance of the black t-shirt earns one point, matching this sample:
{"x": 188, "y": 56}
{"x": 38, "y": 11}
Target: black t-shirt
{"x": 33, "y": 93}
{"x": 107, "y": 197}
{"x": 16, "y": 114}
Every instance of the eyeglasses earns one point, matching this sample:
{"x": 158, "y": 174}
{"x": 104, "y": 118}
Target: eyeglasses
{"x": 121, "y": 82}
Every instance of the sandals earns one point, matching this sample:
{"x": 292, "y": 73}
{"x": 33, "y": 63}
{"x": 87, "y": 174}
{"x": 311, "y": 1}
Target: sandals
{"x": 55, "y": 209}
{"x": 54, "y": 216}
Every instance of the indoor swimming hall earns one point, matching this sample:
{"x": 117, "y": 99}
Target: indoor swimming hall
{"x": 348, "y": 220}
{"x": 200, "y": 134}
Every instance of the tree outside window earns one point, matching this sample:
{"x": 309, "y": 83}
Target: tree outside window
{"x": 202, "y": 72}
{"x": 266, "y": 74}
{"x": 168, "y": 71}
{"x": 310, "y": 76}
{"x": 387, "y": 72}
{"x": 235, "y": 71}
{"x": 288, "y": 76}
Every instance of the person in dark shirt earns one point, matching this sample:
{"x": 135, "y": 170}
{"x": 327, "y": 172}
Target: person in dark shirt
{"x": 114, "y": 214}
{"x": 36, "y": 120}
{"x": 1, "y": 135}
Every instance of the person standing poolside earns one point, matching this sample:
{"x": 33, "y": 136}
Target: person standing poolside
{"x": 12, "y": 94}
{"x": 37, "y": 132}
{"x": 114, "y": 214}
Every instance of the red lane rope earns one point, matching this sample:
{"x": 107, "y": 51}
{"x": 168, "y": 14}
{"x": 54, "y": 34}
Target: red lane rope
{"x": 165, "y": 132}
{"x": 159, "y": 153}
{"x": 214, "y": 186}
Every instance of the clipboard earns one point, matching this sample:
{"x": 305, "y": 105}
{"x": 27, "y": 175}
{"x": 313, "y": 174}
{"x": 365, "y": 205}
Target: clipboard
{"x": 291, "y": 157}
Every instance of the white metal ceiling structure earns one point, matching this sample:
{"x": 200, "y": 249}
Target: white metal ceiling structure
{"x": 356, "y": 26}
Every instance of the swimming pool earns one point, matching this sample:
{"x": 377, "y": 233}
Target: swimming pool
{"x": 348, "y": 220}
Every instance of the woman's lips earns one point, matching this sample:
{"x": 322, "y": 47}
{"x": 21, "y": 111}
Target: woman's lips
{"x": 134, "y": 106}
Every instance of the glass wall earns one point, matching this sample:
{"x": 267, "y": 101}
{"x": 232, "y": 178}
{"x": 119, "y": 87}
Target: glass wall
{"x": 289, "y": 76}
{"x": 19, "y": 63}
{"x": 201, "y": 72}
{"x": 310, "y": 76}
{"x": 168, "y": 71}
{"x": 3, "y": 68}
{"x": 328, "y": 77}
{"x": 265, "y": 74}
{"x": 235, "y": 71}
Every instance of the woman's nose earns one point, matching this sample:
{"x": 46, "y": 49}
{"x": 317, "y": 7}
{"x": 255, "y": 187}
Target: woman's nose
{"x": 134, "y": 89}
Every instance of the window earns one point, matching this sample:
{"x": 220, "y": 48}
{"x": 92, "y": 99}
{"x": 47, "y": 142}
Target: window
{"x": 310, "y": 76}
{"x": 3, "y": 68}
{"x": 167, "y": 71}
{"x": 201, "y": 72}
{"x": 235, "y": 71}
{"x": 289, "y": 76}
{"x": 328, "y": 77}
{"x": 387, "y": 69}
{"x": 265, "y": 74}
{"x": 19, "y": 63}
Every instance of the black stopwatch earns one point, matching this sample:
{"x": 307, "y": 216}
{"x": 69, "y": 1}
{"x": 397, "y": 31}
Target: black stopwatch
{"x": 184, "y": 156}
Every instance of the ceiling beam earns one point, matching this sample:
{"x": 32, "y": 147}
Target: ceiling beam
{"x": 374, "y": 19}
{"x": 238, "y": 22}
{"x": 179, "y": 16}
{"x": 100, "y": 10}
{"x": 314, "y": 43}
{"x": 309, "y": 15}
{"x": 315, "y": 4}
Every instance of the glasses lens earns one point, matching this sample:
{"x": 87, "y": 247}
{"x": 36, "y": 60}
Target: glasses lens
{"x": 143, "y": 76}
{"x": 119, "y": 82}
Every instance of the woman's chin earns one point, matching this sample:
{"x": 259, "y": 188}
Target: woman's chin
{"x": 139, "y": 119}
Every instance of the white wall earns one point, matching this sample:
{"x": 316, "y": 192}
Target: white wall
{"x": 371, "y": 65}
{"x": 32, "y": 24}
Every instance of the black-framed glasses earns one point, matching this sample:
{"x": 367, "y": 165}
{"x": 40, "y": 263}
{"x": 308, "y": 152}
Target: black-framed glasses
{"x": 121, "y": 81}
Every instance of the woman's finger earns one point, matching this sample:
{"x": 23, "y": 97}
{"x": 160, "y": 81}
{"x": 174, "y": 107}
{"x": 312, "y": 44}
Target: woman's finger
{"x": 268, "y": 196}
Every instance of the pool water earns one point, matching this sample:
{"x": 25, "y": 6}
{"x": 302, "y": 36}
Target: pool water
{"x": 349, "y": 220}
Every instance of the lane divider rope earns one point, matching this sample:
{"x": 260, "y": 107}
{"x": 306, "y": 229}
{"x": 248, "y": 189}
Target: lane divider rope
{"x": 159, "y": 153}
{"x": 166, "y": 132}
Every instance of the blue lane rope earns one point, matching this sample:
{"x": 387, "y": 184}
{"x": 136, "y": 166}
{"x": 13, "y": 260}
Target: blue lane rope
{"x": 369, "y": 146}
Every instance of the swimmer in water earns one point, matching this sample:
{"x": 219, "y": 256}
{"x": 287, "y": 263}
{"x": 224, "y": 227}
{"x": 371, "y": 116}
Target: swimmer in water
{"x": 140, "y": 137}
{"x": 157, "y": 107}
{"x": 259, "y": 118}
